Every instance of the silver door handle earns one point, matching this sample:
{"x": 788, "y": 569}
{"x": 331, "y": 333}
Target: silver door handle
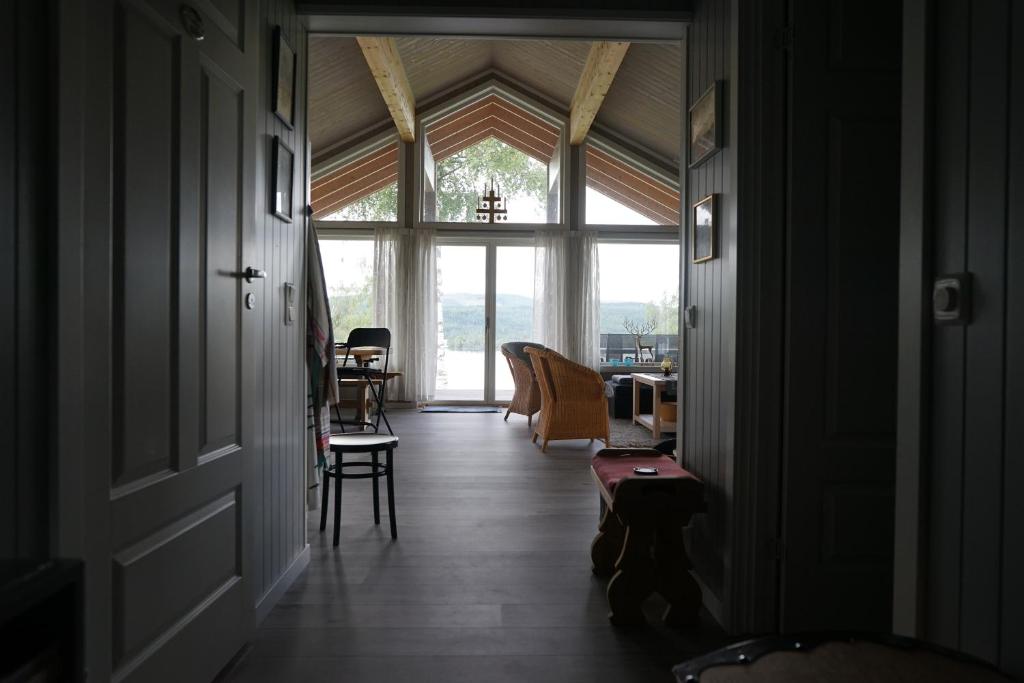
{"x": 251, "y": 274}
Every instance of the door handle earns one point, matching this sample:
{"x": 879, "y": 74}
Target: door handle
{"x": 251, "y": 274}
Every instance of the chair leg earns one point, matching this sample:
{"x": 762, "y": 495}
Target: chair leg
{"x": 507, "y": 413}
{"x": 325, "y": 492}
{"x": 534, "y": 439}
{"x": 391, "y": 492}
{"x": 529, "y": 420}
{"x": 544, "y": 446}
{"x": 337, "y": 499}
{"x": 376, "y": 490}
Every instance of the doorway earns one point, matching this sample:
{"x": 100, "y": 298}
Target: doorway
{"x": 484, "y": 298}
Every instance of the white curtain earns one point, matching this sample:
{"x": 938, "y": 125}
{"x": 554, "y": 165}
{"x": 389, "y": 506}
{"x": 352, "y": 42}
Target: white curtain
{"x": 566, "y": 307}
{"x": 585, "y": 295}
{"x": 550, "y": 316}
{"x": 405, "y": 301}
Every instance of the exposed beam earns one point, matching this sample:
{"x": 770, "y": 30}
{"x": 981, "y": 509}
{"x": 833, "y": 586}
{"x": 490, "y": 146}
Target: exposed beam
{"x": 599, "y": 71}
{"x": 386, "y": 65}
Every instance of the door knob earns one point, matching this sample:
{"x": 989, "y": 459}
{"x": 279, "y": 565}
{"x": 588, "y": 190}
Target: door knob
{"x": 251, "y": 274}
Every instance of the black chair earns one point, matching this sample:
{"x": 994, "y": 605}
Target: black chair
{"x": 360, "y": 443}
{"x": 379, "y": 337}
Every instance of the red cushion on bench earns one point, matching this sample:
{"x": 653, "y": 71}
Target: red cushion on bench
{"x": 611, "y": 469}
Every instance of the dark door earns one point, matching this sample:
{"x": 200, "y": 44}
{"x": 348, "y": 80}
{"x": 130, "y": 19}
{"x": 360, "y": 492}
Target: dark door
{"x": 181, "y": 212}
{"x": 840, "y": 397}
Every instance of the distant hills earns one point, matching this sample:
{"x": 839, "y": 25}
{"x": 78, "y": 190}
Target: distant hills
{"x": 462, "y": 318}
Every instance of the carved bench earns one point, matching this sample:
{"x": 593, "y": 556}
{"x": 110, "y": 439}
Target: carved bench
{"x": 639, "y": 543}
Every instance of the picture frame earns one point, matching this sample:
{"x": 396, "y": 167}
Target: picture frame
{"x": 282, "y": 183}
{"x": 283, "y": 90}
{"x": 704, "y": 230}
{"x": 704, "y": 131}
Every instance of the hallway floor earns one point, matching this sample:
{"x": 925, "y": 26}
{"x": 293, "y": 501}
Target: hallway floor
{"x": 488, "y": 581}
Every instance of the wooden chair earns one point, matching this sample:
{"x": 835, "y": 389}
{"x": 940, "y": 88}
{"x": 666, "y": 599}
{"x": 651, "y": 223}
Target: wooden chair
{"x": 573, "y": 404}
{"x": 527, "y": 397}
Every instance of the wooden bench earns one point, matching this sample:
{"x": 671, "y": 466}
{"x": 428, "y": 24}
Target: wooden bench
{"x": 639, "y": 543}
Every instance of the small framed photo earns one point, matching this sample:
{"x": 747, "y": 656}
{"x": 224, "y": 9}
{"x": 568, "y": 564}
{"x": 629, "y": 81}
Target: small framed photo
{"x": 283, "y": 177}
{"x": 284, "y": 79}
{"x": 703, "y": 232}
{"x": 705, "y": 133}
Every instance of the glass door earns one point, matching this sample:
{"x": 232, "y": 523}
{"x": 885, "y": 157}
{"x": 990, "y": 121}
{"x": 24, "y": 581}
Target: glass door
{"x": 485, "y": 298}
{"x": 513, "y": 309}
{"x": 462, "y": 314}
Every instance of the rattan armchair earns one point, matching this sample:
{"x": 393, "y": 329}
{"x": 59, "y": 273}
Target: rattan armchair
{"x": 573, "y": 404}
{"x": 526, "y": 399}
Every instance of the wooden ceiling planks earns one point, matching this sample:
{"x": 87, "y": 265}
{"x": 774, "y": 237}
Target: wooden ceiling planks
{"x": 639, "y": 191}
{"x": 642, "y": 105}
{"x": 353, "y": 181}
{"x": 644, "y": 101}
{"x": 343, "y": 96}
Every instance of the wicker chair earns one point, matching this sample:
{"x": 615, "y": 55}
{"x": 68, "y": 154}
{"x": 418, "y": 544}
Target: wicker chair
{"x": 526, "y": 400}
{"x": 573, "y": 404}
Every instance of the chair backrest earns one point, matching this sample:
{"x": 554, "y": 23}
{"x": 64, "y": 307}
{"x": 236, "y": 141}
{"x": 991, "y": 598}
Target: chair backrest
{"x": 539, "y": 362}
{"x": 518, "y": 349}
{"x": 370, "y": 336}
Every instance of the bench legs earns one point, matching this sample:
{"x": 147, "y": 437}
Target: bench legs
{"x": 607, "y": 545}
{"x": 647, "y": 555}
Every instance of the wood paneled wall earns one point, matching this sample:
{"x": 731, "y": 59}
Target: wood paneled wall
{"x": 279, "y": 537}
{"x": 711, "y": 288}
{"x": 973, "y": 471}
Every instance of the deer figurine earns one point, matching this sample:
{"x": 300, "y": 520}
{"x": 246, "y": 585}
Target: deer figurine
{"x": 639, "y": 329}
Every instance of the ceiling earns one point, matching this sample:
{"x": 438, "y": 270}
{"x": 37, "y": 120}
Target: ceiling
{"x": 642, "y": 106}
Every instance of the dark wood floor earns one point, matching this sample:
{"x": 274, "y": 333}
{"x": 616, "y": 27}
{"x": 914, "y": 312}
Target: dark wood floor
{"x": 489, "y": 579}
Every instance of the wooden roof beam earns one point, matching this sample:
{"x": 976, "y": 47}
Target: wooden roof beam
{"x": 386, "y": 66}
{"x": 599, "y": 71}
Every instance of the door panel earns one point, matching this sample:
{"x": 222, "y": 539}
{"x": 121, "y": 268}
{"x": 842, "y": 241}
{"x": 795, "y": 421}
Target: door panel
{"x": 839, "y": 449}
{"x": 462, "y": 290}
{"x": 182, "y": 186}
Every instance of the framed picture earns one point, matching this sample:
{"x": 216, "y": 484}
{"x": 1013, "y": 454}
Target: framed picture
{"x": 705, "y": 133}
{"x": 703, "y": 233}
{"x": 284, "y": 79}
{"x": 283, "y": 176}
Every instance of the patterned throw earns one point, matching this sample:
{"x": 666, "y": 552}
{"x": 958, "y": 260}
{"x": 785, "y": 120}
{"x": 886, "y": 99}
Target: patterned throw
{"x": 320, "y": 362}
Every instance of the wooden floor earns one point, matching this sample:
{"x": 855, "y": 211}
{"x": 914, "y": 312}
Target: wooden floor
{"x": 488, "y": 581}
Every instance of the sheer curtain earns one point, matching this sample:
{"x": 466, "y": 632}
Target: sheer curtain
{"x": 550, "y": 316}
{"x": 405, "y": 301}
{"x": 585, "y": 294}
{"x": 566, "y": 291}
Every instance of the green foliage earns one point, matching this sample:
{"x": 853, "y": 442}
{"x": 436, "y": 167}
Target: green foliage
{"x": 351, "y": 307}
{"x": 461, "y": 178}
{"x": 380, "y": 206}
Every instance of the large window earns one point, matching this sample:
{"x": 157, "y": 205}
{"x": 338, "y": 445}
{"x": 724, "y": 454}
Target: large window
{"x": 361, "y": 187}
{"x": 520, "y": 179}
{"x": 619, "y": 192}
{"x": 348, "y": 273}
{"x": 491, "y": 140}
{"x": 639, "y": 291}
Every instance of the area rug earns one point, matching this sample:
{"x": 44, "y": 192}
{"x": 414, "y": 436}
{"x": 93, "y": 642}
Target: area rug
{"x": 625, "y": 434}
{"x": 461, "y": 409}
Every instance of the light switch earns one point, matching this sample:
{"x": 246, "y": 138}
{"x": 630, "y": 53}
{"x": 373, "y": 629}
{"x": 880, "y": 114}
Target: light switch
{"x": 289, "y": 303}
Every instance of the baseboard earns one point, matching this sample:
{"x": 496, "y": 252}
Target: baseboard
{"x": 283, "y": 583}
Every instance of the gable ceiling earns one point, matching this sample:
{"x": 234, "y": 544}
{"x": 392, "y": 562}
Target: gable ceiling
{"x": 642, "y": 105}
